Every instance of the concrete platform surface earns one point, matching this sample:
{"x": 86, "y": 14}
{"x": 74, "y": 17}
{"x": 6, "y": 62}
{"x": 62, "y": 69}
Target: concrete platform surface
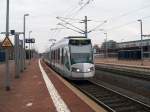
{"x": 130, "y": 63}
{"x": 32, "y": 92}
{"x": 28, "y": 93}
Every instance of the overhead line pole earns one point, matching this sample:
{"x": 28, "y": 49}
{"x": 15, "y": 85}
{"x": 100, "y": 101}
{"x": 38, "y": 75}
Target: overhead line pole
{"x": 106, "y": 46}
{"x": 86, "y": 28}
{"x": 29, "y": 48}
{"x": 141, "y": 28}
{"x": 7, "y": 77}
{"x": 86, "y": 32}
{"x": 24, "y": 36}
{"x": 24, "y": 53}
{"x": 16, "y": 49}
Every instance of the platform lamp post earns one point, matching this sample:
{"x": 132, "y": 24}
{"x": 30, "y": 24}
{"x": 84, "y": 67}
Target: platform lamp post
{"x": 24, "y": 35}
{"x": 105, "y": 33}
{"x": 141, "y": 45}
{"x": 29, "y": 46}
{"x": 106, "y": 49}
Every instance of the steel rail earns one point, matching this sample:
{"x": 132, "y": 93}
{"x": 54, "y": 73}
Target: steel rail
{"x": 141, "y": 75}
{"x": 109, "y": 98}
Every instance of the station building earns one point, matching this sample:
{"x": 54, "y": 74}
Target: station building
{"x": 124, "y": 50}
{"x": 132, "y": 49}
{"x": 109, "y": 48}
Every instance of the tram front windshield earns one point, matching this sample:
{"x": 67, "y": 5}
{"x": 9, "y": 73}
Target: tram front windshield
{"x": 81, "y": 53}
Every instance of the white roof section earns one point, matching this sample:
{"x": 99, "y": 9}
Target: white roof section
{"x": 65, "y": 41}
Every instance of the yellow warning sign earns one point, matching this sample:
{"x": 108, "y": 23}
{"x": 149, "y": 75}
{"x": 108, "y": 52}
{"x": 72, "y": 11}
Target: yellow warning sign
{"x": 7, "y": 43}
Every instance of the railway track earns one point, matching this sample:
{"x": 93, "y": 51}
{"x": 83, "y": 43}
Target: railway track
{"x": 110, "y": 99}
{"x": 144, "y": 69}
{"x": 125, "y": 71}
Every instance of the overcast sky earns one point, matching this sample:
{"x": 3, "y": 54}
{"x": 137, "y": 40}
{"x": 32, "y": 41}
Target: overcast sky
{"x": 121, "y": 16}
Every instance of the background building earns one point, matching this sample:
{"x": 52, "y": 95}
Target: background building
{"x": 132, "y": 49}
{"x": 124, "y": 50}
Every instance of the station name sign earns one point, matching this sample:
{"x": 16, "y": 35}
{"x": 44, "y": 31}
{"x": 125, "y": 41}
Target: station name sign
{"x": 32, "y": 40}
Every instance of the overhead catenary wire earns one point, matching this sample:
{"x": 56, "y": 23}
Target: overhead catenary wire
{"x": 124, "y": 15}
{"x": 128, "y": 23}
{"x": 71, "y": 29}
{"x": 69, "y": 11}
{"x": 127, "y": 13}
{"x": 74, "y": 11}
{"x": 69, "y": 24}
{"x": 81, "y": 7}
{"x": 66, "y": 14}
{"x": 97, "y": 26}
{"x": 70, "y": 18}
{"x": 81, "y": 21}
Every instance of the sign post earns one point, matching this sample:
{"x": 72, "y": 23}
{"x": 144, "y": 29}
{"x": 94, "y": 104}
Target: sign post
{"x": 7, "y": 77}
{"x": 30, "y": 41}
{"x": 21, "y": 55}
{"x": 7, "y": 44}
{"x": 18, "y": 54}
{"x": 17, "y": 70}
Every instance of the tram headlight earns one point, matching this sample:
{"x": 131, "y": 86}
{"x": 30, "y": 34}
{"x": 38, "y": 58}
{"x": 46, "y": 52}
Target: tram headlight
{"x": 75, "y": 69}
{"x": 90, "y": 69}
{"x": 78, "y": 70}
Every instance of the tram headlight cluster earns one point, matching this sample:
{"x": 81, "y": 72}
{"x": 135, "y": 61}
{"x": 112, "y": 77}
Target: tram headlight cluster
{"x": 75, "y": 69}
{"x": 79, "y": 70}
{"x": 90, "y": 69}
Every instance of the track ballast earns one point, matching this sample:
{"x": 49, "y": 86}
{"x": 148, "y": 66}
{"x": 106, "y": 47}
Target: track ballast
{"x": 109, "y": 99}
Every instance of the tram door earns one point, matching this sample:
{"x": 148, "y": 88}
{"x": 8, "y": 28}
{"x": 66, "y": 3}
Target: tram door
{"x": 66, "y": 62}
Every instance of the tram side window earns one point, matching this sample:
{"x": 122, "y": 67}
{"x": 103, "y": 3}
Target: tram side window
{"x": 59, "y": 55}
{"x": 66, "y": 60}
{"x": 54, "y": 56}
{"x": 50, "y": 55}
{"x": 62, "y": 55}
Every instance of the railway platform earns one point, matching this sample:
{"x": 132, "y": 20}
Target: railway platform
{"x": 39, "y": 89}
{"x": 127, "y": 63}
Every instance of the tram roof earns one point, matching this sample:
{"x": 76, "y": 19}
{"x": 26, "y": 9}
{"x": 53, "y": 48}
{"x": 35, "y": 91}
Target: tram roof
{"x": 65, "y": 40}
